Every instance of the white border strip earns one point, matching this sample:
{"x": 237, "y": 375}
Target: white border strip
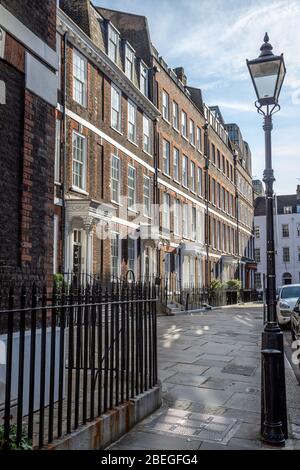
{"x": 23, "y": 34}
{"x": 127, "y": 152}
{"x": 104, "y": 136}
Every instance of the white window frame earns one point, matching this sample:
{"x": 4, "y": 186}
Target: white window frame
{"x": 58, "y": 50}
{"x": 147, "y": 197}
{"x": 200, "y": 181}
{"x": 133, "y": 250}
{"x": 193, "y": 222}
{"x": 193, "y": 177}
{"x": 79, "y": 78}
{"x": 286, "y": 250}
{"x": 198, "y": 139}
{"x": 57, "y": 151}
{"x": 131, "y": 187}
{"x": 185, "y": 220}
{"x": 176, "y": 163}
{"x": 166, "y": 157}
{"x": 285, "y": 231}
{"x": 166, "y": 212}
{"x": 147, "y": 134}
{"x": 144, "y": 77}
{"x": 184, "y": 129}
{"x": 131, "y": 106}
{"x": 177, "y": 217}
{"x": 288, "y": 210}
{"x": 165, "y": 105}
{"x": 116, "y": 235}
{"x": 175, "y": 115}
{"x": 192, "y": 132}
{"x": 185, "y": 171}
{"x": 55, "y": 243}
{"x": 257, "y": 232}
{"x": 115, "y": 92}
{"x": 113, "y": 43}
{"x": 82, "y": 162}
{"x": 129, "y": 61}
{"x": 114, "y": 179}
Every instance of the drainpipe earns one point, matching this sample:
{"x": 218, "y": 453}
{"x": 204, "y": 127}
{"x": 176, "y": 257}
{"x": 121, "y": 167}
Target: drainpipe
{"x": 64, "y": 153}
{"x": 206, "y": 155}
{"x": 235, "y": 157}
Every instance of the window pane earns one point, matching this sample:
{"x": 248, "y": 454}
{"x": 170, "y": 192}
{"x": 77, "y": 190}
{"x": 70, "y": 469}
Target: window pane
{"x": 79, "y": 161}
{"x": 166, "y": 157}
{"x": 131, "y": 186}
{"x": 115, "y": 178}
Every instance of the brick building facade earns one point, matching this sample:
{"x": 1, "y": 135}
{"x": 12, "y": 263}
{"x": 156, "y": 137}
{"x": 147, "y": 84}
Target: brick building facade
{"x": 28, "y": 65}
{"x": 203, "y": 179}
{"x": 104, "y": 187}
{"x": 148, "y": 178}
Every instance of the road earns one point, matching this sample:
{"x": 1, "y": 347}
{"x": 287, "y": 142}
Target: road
{"x": 289, "y": 351}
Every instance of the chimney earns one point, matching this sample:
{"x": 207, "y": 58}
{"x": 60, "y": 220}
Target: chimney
{"x": 181, "y": 75}
{"x": 298, "y": 192}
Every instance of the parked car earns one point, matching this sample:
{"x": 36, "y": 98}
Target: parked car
{"x": 286, "y": 301}
{"x": 295, "y": 321}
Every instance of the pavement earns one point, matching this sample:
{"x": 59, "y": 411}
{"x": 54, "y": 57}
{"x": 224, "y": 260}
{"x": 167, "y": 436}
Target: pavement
{"x": 209, "y": 366}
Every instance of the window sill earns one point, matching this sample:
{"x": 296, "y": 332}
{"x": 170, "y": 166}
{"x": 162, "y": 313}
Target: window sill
{"x": 117, "y": 203}
{"x": 166, "y": 175}
{"x": 166, "y": 120}
{"x": 79, "y": 190}
{"x": 57, "y": 183}
{"x": 185, "y": 138}
{"x": 117, "y": 130}
{"x": 147, "y": 153}
{"x": 132, "y": 210}
{"x": 176, "y": 130}
{"x": 185, "y": 187}
{"x": 132, "y": 142}
{"x": 82, "y": 105}
{"x": 176, "y": 181}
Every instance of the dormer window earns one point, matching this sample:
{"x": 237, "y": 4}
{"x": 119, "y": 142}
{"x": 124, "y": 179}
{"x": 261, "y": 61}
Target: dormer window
{"x": 129, "y": 62}
{"x": 144, "y": 79}
{"x": 288, "y": 210}
{"x": 113, "y": 43}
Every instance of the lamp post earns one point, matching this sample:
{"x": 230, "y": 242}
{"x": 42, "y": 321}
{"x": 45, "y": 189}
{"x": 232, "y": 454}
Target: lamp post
{"x": 267, "y": 74}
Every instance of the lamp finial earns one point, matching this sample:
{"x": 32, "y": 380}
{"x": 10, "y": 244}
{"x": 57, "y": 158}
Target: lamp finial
{"x": 266, "y": 48}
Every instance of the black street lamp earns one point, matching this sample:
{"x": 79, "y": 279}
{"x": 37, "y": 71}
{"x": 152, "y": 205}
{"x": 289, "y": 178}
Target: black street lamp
{"x": 267, "y": 74}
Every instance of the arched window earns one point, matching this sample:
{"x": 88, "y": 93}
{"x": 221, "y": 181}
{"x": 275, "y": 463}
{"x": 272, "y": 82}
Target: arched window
{"x": 286, "y": 279}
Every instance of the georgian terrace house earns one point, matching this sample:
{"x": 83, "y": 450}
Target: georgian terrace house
{"x": 105, "y": 164}
{"x": 202, "y": 180}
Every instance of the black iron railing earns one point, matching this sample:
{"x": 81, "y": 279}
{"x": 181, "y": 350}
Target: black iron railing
{"x": 73, "y": 354}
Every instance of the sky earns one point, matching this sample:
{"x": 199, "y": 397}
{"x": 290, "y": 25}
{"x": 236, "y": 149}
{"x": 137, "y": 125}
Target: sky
{"x": 212, "y": 39}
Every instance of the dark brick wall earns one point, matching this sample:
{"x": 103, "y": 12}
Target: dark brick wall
{"x": 11, "y": 135}
{"x": 37, "y": 205}
{"x": 39, "y": 16}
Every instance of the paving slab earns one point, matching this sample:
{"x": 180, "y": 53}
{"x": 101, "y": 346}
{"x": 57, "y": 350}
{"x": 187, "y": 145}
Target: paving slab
{"x": 209, "y": 364}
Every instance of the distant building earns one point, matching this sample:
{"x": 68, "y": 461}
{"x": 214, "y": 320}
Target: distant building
{"x": 287, "y": 238}
{"x": 258, "y": 188}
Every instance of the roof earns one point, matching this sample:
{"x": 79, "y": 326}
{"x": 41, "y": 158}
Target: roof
{"x": 288, "y": 200}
